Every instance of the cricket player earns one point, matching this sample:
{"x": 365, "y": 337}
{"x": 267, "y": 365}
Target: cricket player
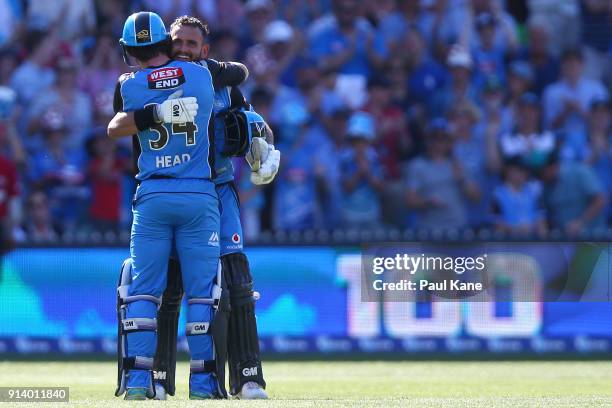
{"x": 175, "y": 203}
{"x": 189, "y": 37}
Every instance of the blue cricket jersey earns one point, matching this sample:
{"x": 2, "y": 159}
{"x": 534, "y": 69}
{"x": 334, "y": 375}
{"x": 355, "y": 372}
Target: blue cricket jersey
{"x": 172, "y": 157}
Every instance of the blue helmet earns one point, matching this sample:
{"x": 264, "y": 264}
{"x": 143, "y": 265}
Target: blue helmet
{"x": 256, "y": 125}
{"x": 240, "y": 126}
{"x": 142, "y": 29}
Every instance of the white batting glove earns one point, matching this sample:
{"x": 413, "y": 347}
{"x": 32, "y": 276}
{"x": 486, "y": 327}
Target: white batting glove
{"x": 176, "y": 109}
{"x": 268, "y": 168}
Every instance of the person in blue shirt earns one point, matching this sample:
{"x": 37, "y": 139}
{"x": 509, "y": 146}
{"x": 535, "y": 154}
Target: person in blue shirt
{"x": 345, "y": 42}
{"x": 361, "y": 174}
{"x": 175, "y": 204}
{"x": 517, "y": 206}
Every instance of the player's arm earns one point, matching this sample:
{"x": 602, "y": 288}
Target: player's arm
{"x": 122, "y": 124}
{"x": 172, "y": 110}
{"x": 227, "y": 73}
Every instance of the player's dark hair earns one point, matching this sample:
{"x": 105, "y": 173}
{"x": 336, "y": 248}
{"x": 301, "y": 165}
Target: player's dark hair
{"x": 191, "y": 21}
{"x": 150, "y": 51}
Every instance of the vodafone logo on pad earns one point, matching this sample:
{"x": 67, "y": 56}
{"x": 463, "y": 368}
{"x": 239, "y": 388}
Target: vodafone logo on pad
{"x": 236, "y": 239}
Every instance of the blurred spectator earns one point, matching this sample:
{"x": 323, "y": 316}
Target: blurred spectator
{"x": 386, "y": 20}
{"x": 111, "y": 15}
{"x": 573, "y": 196}
{"x": 259, "y": 13}
{"x": 469, "y": 149}
{"x": 301, "y": 13}
{"x": 345, "y": 42}
{"x": 334, "y": 125}
{"x": 72, "y": 104}
{"x": 538, "y": 53}
{"x": 596, "y": 33}
{"x": 104, "y": 172}
{"x": 437, "y": 185}
{"x": 600, "y": 144}
{"x": 566, "y": 102}
{"x": 392, "y": 138}
{"x": 460, "y": 87}
{"x": 426, "y": 76}
{"x": 504, "y": 38}
{"x": 10, "y": 205}
{"x": 448, "y": 20}
{"x": 392, "y": 145}
{"x": 282, "y": 45}
{"x": 520, "y": 79}
{"x": 517, "y": 202}
{"x": 39, "y": 225}
{"x": 101, "y": 73}
{"x": 561, "y": 16}
{"x": 74, "y": 19}
{"x": 224, "y": 45}
{"x": 11, "y": 17}
{"x": 528, "y": 141}
{"x": 58, "y": 169}
{"x": 34, "y": 76}
{"x": 361, "y": 175}
{"x": 488, "y": 56}
{"x": 10, "y": 143}
{"x": 296, "y": 203}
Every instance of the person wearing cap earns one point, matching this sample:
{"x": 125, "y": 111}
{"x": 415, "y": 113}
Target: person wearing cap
{"x": 516, "y": 205}
{"x": 460, "y": 86}
{"x": 566, "y": 101}
{"x": 437, "y": 187}
{"x": 528, "y": 140}
{"x": 282, "y": 44}
{"x": 259, "y": 13}
{"x": 361, "y": 174}
{"x": 488, "y": 56}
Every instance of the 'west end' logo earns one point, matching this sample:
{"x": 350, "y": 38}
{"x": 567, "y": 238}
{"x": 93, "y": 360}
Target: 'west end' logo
{"x": 165, "y": 78}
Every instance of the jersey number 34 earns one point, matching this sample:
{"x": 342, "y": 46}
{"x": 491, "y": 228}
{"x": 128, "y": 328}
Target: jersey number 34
{"x": 189, "y": 129}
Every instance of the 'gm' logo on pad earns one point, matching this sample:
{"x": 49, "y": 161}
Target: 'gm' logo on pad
{"x": 249, "y": 371}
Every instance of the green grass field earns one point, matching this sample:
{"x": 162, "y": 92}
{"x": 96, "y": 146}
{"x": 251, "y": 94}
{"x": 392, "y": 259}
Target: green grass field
{"x": 358, "y": 384}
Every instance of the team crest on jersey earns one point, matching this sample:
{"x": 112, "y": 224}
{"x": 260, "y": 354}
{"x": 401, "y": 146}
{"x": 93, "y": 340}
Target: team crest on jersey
{"x": 166, "y": 78}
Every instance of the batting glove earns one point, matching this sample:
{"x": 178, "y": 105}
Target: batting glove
{"x": 176, "y": 109}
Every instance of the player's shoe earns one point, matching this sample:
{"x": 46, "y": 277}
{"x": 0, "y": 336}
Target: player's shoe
{"x": 252, "y": 391}
{"x": 194, "y": 395}
{"x": 160, "y": 392}
{"x": 135, "y": 394}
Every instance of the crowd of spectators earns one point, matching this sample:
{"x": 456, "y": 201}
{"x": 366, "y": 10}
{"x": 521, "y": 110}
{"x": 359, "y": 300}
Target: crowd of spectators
{"x": 415, "y": 114}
